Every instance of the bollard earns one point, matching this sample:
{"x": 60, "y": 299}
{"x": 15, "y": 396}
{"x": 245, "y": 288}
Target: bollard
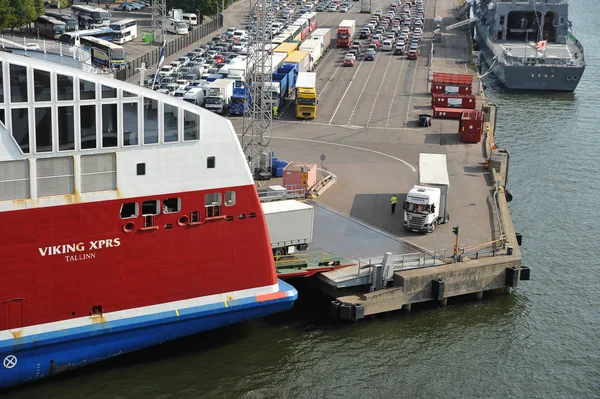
{"x": 509, "y": 250}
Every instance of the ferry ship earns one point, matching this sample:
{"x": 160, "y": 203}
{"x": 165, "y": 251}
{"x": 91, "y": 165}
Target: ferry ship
{"x": 129, "y": 218}
{"x": 528, "y": 44}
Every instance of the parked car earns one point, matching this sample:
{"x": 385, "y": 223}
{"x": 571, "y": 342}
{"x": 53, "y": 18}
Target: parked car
{"x": 370, "y": 55}
{"x": 349, "y": 60}
{"x": 413, "y": 54}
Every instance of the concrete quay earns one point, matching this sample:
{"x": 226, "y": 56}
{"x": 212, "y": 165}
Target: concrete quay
{"x": 366, "y": 126}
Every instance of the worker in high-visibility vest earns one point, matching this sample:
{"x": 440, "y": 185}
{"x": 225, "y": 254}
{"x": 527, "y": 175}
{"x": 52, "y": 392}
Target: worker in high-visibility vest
{"x": 393, "y": 203}
{"x": 275, "y": 111}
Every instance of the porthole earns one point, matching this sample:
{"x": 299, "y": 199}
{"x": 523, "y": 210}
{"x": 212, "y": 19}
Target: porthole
{"x": 569, "y": 77}
{"x": 575, "y": 77}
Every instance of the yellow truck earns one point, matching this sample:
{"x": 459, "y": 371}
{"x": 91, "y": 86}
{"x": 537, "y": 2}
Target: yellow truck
{"x": 306, "y": 95}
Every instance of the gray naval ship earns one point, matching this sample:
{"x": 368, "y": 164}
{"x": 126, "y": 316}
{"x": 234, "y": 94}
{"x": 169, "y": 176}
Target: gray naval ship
{"x": 528, "y": 44}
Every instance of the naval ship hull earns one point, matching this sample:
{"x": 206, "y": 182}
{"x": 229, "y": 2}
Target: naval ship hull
{"x": 527, "y": 77}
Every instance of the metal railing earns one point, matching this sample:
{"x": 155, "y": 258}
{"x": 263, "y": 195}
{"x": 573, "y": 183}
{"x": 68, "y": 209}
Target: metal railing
{"x": 151, "y": 58}
{"x": 291, "y": 192}
{"x": 492, "y": 248}
{"x": 407, "y": 261}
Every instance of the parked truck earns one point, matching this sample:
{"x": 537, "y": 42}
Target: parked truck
{"x": 286, "y": 48}
{"x": 219, "y": 95}
{"x": 314, "y": 49}
{"x": 282, "y": 82}
{"x": 290, "y": 225}
{"x": 299, "y": 58}
{"x": 345, "y": 32}
{"x": 426, "y": 204}
{"x": 195, "y": 95}
{"x": 306, "y": 95}
{"x": 241, "y": 99}
{"x": 323, "y": 36}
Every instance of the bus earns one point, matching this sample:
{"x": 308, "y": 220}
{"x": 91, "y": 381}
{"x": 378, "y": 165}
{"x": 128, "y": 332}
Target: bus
{"x": 104, "y": 54}
{"x": 125, "y": 30}
{"x": 72, "y": 24}
{"x": 50, "y": 27}
{"x": 90, "y": 17}
{"x": 72, "y": 38}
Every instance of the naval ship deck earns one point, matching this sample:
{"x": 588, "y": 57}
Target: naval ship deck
{"x": 559, "y": 54}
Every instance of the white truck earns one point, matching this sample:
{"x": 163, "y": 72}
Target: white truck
{"x": 194, "y": 96}
{"x": 426, "y": 204}
{"x": 315, "y": 50}
{"x": 218, "y": 95}
{"x": 290, "y": 225}
{"x": 323, "y": 36}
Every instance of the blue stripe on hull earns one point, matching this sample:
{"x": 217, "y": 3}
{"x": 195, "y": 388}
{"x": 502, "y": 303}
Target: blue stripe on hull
{"x": 45, "y": 354}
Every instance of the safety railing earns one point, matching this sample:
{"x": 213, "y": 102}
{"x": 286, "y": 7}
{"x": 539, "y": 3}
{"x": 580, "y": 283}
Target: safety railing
{"x": 491, "y": 248}
{"x": 292, "y": 260}
{"x": 407, "y": 261}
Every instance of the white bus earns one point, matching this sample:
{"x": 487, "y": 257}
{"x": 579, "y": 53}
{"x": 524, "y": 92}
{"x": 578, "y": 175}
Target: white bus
{"x": 90, "y": 17}
{"x": 176, "y": 26}
{"x": 50, "y": 27}
{"x": 104, "y": 54}
{"x": 191, "y": 19}
{"x": 125, "y": 30}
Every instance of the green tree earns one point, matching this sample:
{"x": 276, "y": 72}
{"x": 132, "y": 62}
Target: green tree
{"x": 7, "y": 15}
{"x": 39, "y": 8}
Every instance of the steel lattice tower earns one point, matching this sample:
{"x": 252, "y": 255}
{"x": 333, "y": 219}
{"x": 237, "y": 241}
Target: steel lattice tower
{"x": 256, "y": 135}
{"x": 159, "y": 17}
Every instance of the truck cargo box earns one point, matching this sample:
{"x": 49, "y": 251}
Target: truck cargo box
{"x": 290, "y": 223}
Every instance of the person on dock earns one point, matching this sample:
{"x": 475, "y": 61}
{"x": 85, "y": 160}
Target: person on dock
{"x": 275, "y": 111}
{"x": 393, "y": 203}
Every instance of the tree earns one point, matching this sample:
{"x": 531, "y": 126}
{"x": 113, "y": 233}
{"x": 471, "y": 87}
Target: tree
{"x": 7, "y": 15}
{"x": 39, "y": 8}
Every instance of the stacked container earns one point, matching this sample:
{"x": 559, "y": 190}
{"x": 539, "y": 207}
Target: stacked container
{"x": 451, "y": 94}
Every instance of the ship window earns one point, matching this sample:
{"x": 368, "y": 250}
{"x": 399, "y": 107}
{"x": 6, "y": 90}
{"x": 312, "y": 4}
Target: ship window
{"x": 55, "y": 176}
{"x": 562, "y": 20}
{"x": 195, "y": 217}
{"x": 109, "y": 125}
{"x": 20, "y": 127}
{"x": 14, "y": 180}
{"x": 64, "y": 87}
{"x": 88, "y": 126}
{"x": 18, "y": 83}
{"x": 150, "y": 121}
{"x": 150, "y": 207}
{"x": 98, "y": 172}
{"x": 191, "y": 126}
{"x": 66, "y": 128}
{"x": 170, "y": 123}
{"x": 43, "y": 129}
{"x": 1, "y": 84}
{"x": 212, "y": 199}
{"x": 230, "y": 198}
{"x": 87, "y": 90}
{"x": 141, "y": 169}
{"x": 210, "y": 162}
{"x": 171, "y": 205}
{"x": 130, "y": 124}
{"x": 41, "y": 85}
{"x": 2, "y": 116}
{"x": 109, "y": 92}
{"x": 129, "y": 94}
{"x": 129, "y": 210}
{"x": 502, "y": 20}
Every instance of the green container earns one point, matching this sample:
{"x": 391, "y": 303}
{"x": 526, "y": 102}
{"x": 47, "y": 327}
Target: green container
{"x": 147, "y": 37}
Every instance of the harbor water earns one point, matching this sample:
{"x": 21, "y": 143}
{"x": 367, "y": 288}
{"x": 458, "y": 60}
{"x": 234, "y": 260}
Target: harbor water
{"x": 542, "y": 341}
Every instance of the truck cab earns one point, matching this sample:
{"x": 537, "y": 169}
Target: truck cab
{"x": 421, "y": 209}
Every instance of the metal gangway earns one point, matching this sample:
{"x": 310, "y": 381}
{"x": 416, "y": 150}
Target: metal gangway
{"x": 461, "y": 23}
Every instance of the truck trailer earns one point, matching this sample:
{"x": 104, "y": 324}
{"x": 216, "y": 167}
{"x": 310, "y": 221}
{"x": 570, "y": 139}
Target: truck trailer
{"x": 290, "y": 225}
{"x": 300, "y": 58}
{"x": 219, "y": 95}
{"x": 323, "y": 36}
{"x": 426, "y": 204}
{"x": 315, "y": 50}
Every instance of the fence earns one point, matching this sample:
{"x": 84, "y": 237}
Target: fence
{"x": 172, "y": 47}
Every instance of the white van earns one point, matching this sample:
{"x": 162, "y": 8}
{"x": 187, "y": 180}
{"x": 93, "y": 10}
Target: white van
{"x": 176, "y": 26}
{"x": 191, "y": 19}
{"x": 195, "y": 96}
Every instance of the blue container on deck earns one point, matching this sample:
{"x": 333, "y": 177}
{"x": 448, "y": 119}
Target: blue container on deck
{"x": 279, "y": 172}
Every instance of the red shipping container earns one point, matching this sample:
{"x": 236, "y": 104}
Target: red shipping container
{"x": 471, "y": 125}
{"x": 447, "y": 113}
{"x": 445, "y": 88}
{"x": 453, "y": 101}
{"x": 452, "y": 78}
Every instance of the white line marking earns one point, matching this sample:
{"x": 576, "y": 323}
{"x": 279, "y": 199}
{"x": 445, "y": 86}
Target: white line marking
{"x": 363, "y": 90}
{"x": 378, "y": 90}
{"x": 349, "y": 146}
{"x": 347, "y": 88}
{"x": 412, "y": 85}
{"x": 387, "y": 122}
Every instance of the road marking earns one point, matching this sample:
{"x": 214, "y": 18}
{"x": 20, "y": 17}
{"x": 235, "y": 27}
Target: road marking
{"x": 347, "y": 88}
{"x": 363, "y": 90}
{"x": 10, "y": 361}
{"x": 378, "y": 90}
{"x": 387, "y": 122}
{"x": 329, "y": 81}
{"x": 412, "y": 85}
{"x": 349, "y": 146}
